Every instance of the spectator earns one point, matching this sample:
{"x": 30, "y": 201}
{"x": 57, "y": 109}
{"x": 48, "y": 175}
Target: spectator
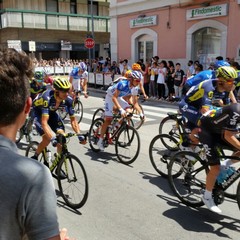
{"x": 153, "y": 79}
{"x": 162, "y": 71}
{"x": 178, "y": 80}
{"x": 114, "y": 69}
{"x": 146, "y": 77}
{"x": 190, "y": 70}
{"x": 170, "y": 80}
{"x": 27, "y": 194}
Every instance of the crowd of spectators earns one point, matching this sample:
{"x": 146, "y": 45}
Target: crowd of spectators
{"x": 163, "y": 80}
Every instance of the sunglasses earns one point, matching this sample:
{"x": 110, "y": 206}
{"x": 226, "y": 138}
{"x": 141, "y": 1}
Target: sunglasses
{"x": 229, "y": 81}
{"x": 64, "y": 90}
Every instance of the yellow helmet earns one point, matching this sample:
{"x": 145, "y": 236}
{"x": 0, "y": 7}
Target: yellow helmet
{"x": 226, "y": 72}
{"x": 136, "y": 67}
{"x": 61, "y": 83}
{"x": 128, "y": 74}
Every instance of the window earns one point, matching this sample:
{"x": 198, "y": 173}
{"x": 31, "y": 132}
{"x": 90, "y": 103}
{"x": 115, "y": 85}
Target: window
{"x": 51, "y": 5}
{"x": 73, "y": 6}
{"x": 94, "y": 8}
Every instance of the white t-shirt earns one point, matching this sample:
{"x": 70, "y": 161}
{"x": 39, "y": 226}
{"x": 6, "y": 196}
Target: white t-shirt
{"x": 161, "y": 75}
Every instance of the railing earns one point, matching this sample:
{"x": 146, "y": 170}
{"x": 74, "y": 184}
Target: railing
{"x": 51, "y": 20}
{"x": 98, "y": 79}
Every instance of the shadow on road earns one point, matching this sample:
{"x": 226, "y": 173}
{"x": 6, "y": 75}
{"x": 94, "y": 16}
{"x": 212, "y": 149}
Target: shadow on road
{"x": 200, "y": 219}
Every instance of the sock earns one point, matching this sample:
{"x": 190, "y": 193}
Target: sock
{"x": 207, "y": 194}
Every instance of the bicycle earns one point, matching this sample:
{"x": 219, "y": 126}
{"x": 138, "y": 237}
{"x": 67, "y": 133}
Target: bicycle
{"x": 78, "y": 109}
{"x": 27, "y": 130}
{"x": 189, "y": 185}
{"x": 137, "y": 121}
{"x": 69, "y": 171}
{"x": 125, "y": 138}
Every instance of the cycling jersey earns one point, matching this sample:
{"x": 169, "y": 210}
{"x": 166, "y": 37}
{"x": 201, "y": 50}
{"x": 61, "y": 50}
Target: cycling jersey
{"x": 45, "y": 104}
{"x": 123, "y": 86}
{"x": 36, "y": 89}
{"x": 212, "y": 133}
{"x": 74, "y": 73}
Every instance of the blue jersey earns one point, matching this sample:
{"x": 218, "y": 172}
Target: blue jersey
{"x": 198, "y": 78}
{"x": 45, "y": 104}
{"x": 204, "y": 93}
{"x": 123, "y": 86}
{"x": 75, "y": 75}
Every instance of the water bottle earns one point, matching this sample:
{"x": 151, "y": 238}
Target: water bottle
{"x": 49, "y": 156}
{"x": 222, "y": 176}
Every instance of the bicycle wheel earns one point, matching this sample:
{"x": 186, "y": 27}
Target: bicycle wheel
{"x": 19, "y": 135}
{"x": 62, "y": 113}
{"x": 238, "y": 195}
{"x": 189, "y": 186}
{"x": 31, "y": 149}
{"x": 94, "y": 134}
{"x": 161, "y": 148}
{"x": 127, "y": 145}
{"x": 137, "y": 120}
{"x": 74, "y": 186}
{"x": 99, "y": 113}
{"x": 170, "y": 127}
{"x": 78, "y": 108}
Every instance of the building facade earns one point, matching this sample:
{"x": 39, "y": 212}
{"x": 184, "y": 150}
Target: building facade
{"x": 175, "y": 30}
{"x": 56, "y": 28}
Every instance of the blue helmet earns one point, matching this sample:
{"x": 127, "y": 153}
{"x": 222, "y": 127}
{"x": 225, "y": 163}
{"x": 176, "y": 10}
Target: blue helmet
{"x": 221, "y": 63}
{"x": 136, "y": 75}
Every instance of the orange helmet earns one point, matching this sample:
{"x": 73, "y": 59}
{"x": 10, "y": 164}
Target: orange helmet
{"x": 136, "y": 67}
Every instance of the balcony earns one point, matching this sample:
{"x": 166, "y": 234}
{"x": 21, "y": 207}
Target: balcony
{"x": 51, "y": 20}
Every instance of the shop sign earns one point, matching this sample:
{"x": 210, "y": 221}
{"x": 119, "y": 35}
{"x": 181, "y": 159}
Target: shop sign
{"x": 143, "y": 21}
{"x": 16, "y": 44}
{"x": 207, "y": 12}
{"x": 66, "y": 45}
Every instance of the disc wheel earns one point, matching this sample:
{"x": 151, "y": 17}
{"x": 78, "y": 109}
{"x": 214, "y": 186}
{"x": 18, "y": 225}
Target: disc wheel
{"x": 74, "y": 185}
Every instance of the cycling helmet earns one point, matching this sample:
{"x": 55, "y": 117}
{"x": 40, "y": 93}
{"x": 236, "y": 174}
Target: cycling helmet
{"x": 82, "y": 66}
{"x": 221, "y": 63}
{"x": 128, "y": 74}
{"x": 38, "y": 75}
{"x": 136, "y": 75}
{"x": 226, "y": 72}
{"x": 61, "y": 84}
{"x": 136, "y": 67}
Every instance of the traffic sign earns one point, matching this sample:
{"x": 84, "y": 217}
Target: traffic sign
{"x": 89, "y": 43}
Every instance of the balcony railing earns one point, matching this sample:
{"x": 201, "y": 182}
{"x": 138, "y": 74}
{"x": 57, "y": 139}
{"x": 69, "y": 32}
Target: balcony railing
{"x": 50, "y": 20}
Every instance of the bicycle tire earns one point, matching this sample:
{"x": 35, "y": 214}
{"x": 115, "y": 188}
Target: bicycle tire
{"x": 238, "y": 195}
{"x": 127, "y": 141}
{"x": 73, "y": 188}
{"x": 160, "y": 155}
{"x": 190, "y": 185}
{"x": 19, "y": 136}
{"x": 62, "y": 113}
{"x": 169, "y": 126}
{"x": 31, "y": 149}
{"x": 98, "y": 114}
{"x": 137, "y": 120}
{"x": 94, "y": 134}
{"x": 78, "y": 108}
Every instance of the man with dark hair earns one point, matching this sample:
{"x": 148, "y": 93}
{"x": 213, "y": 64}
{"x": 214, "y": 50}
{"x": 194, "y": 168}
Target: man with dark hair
{"x": 27, "y": 194}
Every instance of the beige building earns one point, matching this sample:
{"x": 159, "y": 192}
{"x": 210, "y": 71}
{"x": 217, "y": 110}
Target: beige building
{"x": 56, "y": 28}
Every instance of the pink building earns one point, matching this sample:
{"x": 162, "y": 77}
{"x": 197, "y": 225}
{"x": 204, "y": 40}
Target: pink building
{"x": 175, "y": 30}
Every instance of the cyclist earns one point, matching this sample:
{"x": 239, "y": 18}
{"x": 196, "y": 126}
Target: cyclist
{"x": 198, "y": 100}
{"x": 219, "y": 129}
{"x": 114, "y": 97}
{"x": 37, "y": 85}
{"x": 79, "y": 78}
{"x": 203, "y": 75}
{"x": 45, "y": 107}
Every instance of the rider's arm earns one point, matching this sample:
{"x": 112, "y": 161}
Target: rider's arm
{"x": 74, "y": 124}
{"x": 46, "y": 128}
{"x": 114, "y": 99}
{"x": 142, "y": 90}
{"x": 232, "y": 97}
{"x": 230, "y": 137}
